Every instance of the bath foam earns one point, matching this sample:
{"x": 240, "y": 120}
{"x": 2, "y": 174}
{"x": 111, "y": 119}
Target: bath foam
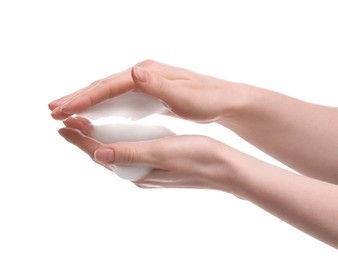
{"x": 130, "y": 105}
{"x": 128, "y": 132}
{"x": 132, "y": 132}
{"x": 127, "y": 108}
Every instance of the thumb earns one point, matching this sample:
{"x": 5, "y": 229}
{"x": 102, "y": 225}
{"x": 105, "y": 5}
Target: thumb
{"x": 124, "y": 154}
{"x": 154, "y": 84}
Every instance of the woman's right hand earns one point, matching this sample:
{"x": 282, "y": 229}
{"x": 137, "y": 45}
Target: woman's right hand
{"x": 187, "y": 94}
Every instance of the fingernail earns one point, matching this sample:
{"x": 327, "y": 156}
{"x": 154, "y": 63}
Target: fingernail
{"x": 104, "y": 155}
{"x": 140, "y": 74}
{"x": 64, "y": 110}
{"x": 55, "y": 111}
{"x": 55, "y": 102}
{"x": 61, "y": 132}
{"x": 69, "y": 121}
{"x": 58, "y": 114}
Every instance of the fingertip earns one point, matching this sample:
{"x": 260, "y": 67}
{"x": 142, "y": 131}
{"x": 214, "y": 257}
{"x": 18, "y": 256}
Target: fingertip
{"x": 57, "y": 114}
{"x": 79, "y": 123}
{"x": 62, "y": 131}
{"x": 69, "y": 122}
{"x": 51, "y": 106}
{"x": 104, "y": 155}
{"x": 139, "y": 74}
{"x": 66, "y": 131}
{"x": 75, "y": 106}
{"x": 83, "y": 120}
{"x": 150, "y": 83}
{"x": 54, "y": 104}
{"x": 65, "y": 109}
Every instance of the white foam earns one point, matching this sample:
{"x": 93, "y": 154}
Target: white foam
{"x": 130, "y": 173}
{"x": 131, "y": 132}
{"x": 127, "y": 108}
{"x": 130, "y": 105}
{"x": 111, "y": 133}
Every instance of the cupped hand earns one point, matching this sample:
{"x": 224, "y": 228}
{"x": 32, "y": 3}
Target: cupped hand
{"x": 187, "y": 94}
{"x": 177, "y": 161}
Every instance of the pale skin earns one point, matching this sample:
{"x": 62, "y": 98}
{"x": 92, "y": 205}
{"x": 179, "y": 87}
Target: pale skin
{"x": 302, "y": 135}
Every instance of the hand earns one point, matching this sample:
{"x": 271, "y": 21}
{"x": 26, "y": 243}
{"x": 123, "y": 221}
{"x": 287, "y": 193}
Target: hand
{"x": 188, "y": 95}
{"x": 177, "y": 161}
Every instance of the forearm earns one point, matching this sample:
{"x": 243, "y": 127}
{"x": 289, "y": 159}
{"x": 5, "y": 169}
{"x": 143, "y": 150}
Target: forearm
{"x": 308, "y": 204}
{"x": 297, "y": 133}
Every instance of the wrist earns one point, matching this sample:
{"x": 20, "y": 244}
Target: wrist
{"x": 238, "y": 173}
{"x": 224, "y": 176}
{"x": 239, "y": 102}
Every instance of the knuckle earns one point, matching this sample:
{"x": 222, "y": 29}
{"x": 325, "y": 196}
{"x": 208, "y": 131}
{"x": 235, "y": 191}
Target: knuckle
{"x": 129, "y": 156}
{"x": 95, "y": 83}
{"x": 99, "y": 83}
{"x": 102, "y": 83}
{"x": 160, "y": 150}
{"x": 148, "y": 64}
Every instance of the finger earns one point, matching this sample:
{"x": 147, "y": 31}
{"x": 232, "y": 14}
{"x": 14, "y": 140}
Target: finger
{"x": 80, "y": 123}
{"x": 95, "y": 93}
{"x": 173, "y": 93}
{"x": 147, "y": 186}
{"x": 100, "y": 91}
{"x": 85, "y": 143}
{"x": 155, "y": 85}
{"x": 84, "y": 91}
{"x": 83, "y": 120}
{"x": 158, "y": 178}
{"x": 109, "y": 87}
{"x": 165, "y": 70}
{"x": 57, "y": 112}
{"x": 63, "y": 100}
{"x": 154, "y": 177}
{"x": 132, "y": 153}
{"x": 54, "y": 104}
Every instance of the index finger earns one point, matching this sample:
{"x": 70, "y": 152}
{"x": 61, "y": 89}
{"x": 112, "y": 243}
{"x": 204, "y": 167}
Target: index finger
{"x": 97, "y": 92}
{"x": 85, "y": 143}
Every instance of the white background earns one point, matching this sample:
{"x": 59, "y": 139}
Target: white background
{"x": 55, "y": 203}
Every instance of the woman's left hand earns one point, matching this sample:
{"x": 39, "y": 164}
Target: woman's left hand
{"x": 176, "y": 161}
